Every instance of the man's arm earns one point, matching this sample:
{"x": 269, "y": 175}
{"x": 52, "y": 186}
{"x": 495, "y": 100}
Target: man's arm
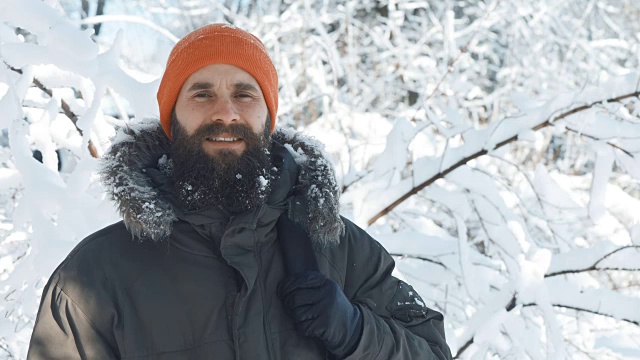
{"x": 396, "y": 322}
{"x": 63, "y": 331}
{"x": 375, "y": 316}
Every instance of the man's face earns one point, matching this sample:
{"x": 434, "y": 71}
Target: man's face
{"x": 224, "y": 95}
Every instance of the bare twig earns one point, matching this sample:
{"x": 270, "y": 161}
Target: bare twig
{"x": 463, "y": 50}
{"x": 523, "y": 208}
{"x": 6, "y": 349}
{"x": 595, "y": 138}
{"x": 360, "y": 177}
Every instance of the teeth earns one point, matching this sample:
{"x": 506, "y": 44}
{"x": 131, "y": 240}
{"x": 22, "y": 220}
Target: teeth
{"x": 223, "y": 139}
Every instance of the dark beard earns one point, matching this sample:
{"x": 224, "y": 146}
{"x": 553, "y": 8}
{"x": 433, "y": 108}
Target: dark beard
{"x": 230, "y": 182}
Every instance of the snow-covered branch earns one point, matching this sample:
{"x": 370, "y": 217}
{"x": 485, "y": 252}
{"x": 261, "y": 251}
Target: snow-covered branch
{"x": 66, "y": 109}
{"x": 100, "y": 19}
{"x": 427, "y": 170}
{"x": 593, "y": 301}
{"x": 603, "y": 256}
{"x": 408, "y": 97}
{"x": 423, "y": 258}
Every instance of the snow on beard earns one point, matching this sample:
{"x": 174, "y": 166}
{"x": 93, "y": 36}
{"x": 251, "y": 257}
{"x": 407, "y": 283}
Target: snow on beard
{"x": 231, "y": 182}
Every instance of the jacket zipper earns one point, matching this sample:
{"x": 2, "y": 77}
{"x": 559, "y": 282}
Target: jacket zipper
{"x": 265, "y": 320}
{"x": 234, "y": 319}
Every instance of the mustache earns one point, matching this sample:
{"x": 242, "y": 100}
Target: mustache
{"x": 213, "y": 129}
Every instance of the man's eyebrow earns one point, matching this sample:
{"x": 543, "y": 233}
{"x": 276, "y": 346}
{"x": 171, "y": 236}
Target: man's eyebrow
{"x": 239, "y": 86}
{"x": 200, "y": 86}
{"x": 243, "y": 86}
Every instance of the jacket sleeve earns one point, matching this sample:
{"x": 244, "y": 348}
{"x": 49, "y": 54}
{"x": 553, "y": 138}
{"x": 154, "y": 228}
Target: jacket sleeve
{"x": 63, "y": 331}
{"x": 396, "y": 322}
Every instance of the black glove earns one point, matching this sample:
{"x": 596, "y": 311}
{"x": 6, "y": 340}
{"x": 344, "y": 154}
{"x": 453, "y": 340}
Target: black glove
{"x": 320, "y": 309}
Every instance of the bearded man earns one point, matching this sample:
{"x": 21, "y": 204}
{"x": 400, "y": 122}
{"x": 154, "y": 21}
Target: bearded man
{"x": 238, "y": 251}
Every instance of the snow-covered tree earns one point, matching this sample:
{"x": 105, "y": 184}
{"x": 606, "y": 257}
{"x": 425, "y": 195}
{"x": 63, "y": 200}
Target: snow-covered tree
{"x": 493, "y": 147}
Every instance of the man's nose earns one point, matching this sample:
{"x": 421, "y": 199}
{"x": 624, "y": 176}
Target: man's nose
{"x": 224, "y": 111}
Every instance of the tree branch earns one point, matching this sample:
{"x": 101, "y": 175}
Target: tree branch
{"x": 587, "y": 311}
{"x": 131, "y": 19}
{"x": 595, "y": 138}
{"x": 512, "y": 304}
{"x": 6, "y": 349}
{"x": 99, "y": 11}
{"x": 84, "y": 4}
{"x": 595, "y": 265}
{"x": 419, "y": 258}
{"x": 465, "y": 160}
{"x": 66, "y": 109}
{"x": 462, "y": 50}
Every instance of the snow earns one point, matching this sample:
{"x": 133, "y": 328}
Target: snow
{"x": 635, "y": 234}
{"x": 602, "y": 172}
{"x": 602, "y": 255}
{"x": 298, "y": 154}
{"x": 263, "y": 182}
{"x": 604, "y": 301}
{"x": 425, "y": 95}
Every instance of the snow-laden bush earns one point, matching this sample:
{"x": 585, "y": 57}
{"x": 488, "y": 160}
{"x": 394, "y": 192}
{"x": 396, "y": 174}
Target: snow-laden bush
{"x": 492, "y": 146}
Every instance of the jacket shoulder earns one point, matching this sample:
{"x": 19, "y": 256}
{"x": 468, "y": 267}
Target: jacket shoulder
{"x": 104, "y": 258}
{"x": 102, "y": 239}
{"x": 357, "y": 244}
{"x": 356, "y": 252}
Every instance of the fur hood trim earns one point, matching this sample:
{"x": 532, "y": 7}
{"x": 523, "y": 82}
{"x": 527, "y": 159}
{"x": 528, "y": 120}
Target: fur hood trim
{"x": 149, "y": 215}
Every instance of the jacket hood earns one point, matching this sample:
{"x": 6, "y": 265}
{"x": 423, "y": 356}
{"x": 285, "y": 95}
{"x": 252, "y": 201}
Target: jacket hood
{"x": 139, "y": 152}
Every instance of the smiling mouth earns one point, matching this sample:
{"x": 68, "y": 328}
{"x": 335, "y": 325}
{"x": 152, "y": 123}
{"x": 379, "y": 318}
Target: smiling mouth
{"x": 223, "y": 139}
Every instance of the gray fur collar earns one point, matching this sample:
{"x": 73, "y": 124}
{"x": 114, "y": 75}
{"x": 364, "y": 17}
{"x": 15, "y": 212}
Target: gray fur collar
{"x": 148, "y": 215}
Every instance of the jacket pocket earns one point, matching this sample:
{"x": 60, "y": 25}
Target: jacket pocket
{"x": 289, "y": 345}
{"x": 406, "y": 305}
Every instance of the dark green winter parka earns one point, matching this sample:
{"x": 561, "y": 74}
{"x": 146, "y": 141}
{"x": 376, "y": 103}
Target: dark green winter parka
{"x": 168, "y": 284}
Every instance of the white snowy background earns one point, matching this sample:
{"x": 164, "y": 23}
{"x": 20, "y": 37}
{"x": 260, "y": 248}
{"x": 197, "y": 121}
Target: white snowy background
{"x": 492, "y": 146}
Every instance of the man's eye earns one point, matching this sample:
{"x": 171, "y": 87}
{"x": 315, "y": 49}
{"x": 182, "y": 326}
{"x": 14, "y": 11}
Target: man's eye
{"x": 201, "y": 95}
{"x": 244, "y": 95}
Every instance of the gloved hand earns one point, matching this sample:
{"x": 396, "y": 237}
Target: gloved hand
{"x": 320, "y": 309}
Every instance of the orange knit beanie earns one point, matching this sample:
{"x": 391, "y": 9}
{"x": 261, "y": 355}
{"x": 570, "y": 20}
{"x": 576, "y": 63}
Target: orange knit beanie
{"x": 216, "y": 44}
